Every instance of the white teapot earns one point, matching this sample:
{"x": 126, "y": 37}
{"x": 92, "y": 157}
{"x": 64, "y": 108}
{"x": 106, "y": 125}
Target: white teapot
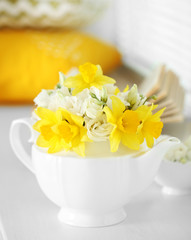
{"x": 93, "y": 190}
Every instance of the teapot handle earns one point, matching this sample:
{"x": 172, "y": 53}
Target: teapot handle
{"x": 16, "y": 143}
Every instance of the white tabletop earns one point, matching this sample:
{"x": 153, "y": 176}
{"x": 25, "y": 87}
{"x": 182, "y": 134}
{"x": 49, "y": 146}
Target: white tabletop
{"x": 26, "y": 214}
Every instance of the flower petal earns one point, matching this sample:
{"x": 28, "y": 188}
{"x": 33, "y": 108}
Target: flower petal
{"x": 131, "y": 141}
{"x": 149, "y": 140}
{"x": 117, "y": 91}
{"x": 109, "y": 115}
{"x": 80, "y": 149}
{"x": 99, "y": 70}
{"x": 118, "y": 107}
{"x": 58, "y": 114}
{"x": 84, "y": 136}
{"x": 102, "y": 80}
{"x": 78, "y": 120}
{"x": 126, "y": 88}
{"x": 74, "y": 81}
{"x": 41, "y": 142}
{"x": 55, "y": 145}
{"x": 39, "y": 124}
{"x": 144, "y": 112}
{"x": 66, "y": 115}
{"x": 152, "y": 128}
{"x": 156, "y": 117}
{"x": 46, "y": 114}
{"x": 115, "y": 139}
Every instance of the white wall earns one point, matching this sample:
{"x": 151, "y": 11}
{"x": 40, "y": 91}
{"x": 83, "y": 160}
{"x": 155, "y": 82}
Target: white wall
{"x": 104, "y": 26}
{"x": 151, "y": 32}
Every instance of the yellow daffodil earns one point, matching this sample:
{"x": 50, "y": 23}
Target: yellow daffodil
{"x": 125, "y": 124}
{"x": 90, "y": 75}
{"x": 60, "y": 130}
{"x": 151, "y": 125}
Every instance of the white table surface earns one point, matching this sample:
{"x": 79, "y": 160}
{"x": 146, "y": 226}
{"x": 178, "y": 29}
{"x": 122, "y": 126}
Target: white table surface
{"x": 26, "y": 214}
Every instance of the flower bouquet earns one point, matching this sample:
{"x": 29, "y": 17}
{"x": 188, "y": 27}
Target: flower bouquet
{"x": 88, "y": 107}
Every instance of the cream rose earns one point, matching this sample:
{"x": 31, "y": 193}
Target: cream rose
{"x": 98, "y": 129}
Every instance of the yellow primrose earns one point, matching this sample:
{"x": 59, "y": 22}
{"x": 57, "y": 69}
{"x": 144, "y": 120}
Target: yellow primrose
{"x": 125, "y": 124}
{"x": 151, "y": 125}
{"x": 60, "y": 130}
{"x": 90, "y": 75}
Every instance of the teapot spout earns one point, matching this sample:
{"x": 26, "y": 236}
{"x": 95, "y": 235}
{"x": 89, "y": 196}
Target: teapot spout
{"x": 164, "y": 144}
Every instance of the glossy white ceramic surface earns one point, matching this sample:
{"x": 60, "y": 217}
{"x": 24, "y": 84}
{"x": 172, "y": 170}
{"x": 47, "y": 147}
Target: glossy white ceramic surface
{"x": 175, "y": 177}
{"x": 91, "y": 191}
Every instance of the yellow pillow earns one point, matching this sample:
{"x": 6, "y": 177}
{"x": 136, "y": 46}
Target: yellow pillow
{"x": 30, "y": 60}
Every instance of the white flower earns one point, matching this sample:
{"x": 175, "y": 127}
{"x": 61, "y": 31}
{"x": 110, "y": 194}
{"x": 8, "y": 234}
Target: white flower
{"x": 95, "y": 105}
{"x": 98, "y": 129}
{"x": 93, "y": 108}
{"x": 51, "y": 99}
{"x": 77, "y": 104}
{"x": 181, "y": 153}
{"x": 42, "y": 99}
{"x": 56, "y": 100}
{"x": 123, "y": 97}
{"x": 178, "y": 153}
{"x": 132, "y": 98}
{"x": 96, "y": 91}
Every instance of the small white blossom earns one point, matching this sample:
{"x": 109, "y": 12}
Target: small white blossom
{"x": 181, "y": 153}
{"x": 51, "y": 99}
{"x": 132, "y": 98}
{"x": 123, "y": 97}
{"x": 177, "y": 153}
{"x": 98, "y": 129}
{"x": 95, "y": 105}
{"x": 56, "y": 100}
{"x": 77, "y": 104}
{"x": 93, "y": 108}
{"x": 96, "y": 91}
{"x": 42, "y": 99}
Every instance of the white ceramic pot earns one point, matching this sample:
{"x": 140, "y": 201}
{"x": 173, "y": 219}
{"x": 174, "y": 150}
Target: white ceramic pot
{"x": 174, "y": 177}
{"x": 90, "y": 191}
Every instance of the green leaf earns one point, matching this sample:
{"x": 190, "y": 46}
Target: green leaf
{"x": 93, "y": 96}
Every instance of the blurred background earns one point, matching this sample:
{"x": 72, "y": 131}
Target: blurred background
{"x": 130, "y": 39}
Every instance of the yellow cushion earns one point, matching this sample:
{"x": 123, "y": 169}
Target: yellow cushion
{"x": 30, "y": 60}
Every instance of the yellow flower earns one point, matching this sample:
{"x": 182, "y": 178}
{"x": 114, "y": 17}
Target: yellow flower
{"x": 125, "y": 124}
{"x": 151, "y": 125}
{"x": 60, "y": 130}
{"x": 90, "y": 75}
